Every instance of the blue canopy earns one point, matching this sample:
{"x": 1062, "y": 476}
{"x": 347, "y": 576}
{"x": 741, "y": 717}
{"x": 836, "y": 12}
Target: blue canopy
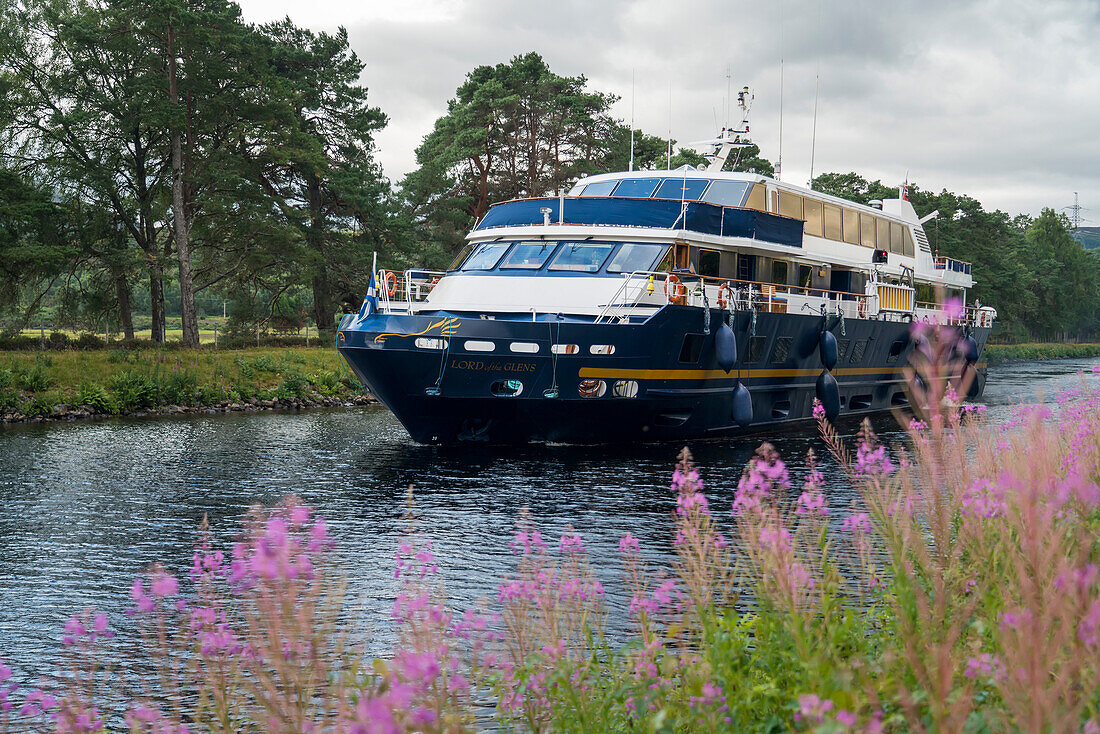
{"x": 696, "y": 216}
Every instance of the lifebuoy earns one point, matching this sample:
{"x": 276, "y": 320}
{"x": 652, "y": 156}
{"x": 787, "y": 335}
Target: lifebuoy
{"x": 433, "y": 283}
{"x": 724, "y": 289}
{"x": 863, "y": 308}
{"x": 389, "y": 282}
{"x": 679, "y": 291}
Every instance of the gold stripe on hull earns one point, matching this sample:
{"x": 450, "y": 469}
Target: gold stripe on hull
{"x": 613, "y": 373}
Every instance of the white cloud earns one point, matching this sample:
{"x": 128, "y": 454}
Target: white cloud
{"x": 997, "y": 99}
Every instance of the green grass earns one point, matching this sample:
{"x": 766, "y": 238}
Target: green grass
{"x": 125, "y": 380}
{"x": 998, "y": 353}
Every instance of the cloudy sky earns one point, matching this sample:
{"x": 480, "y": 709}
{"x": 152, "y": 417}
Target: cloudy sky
{"x": 999, "y": 99}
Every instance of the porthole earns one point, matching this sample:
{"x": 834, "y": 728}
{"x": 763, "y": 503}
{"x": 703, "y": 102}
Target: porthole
{"x": 472, "y": 345}
{"x": 592, "y": 388}
{"x": 425, "y": 342}
{"x": 625, "y": 389}
{"x": 602, "y": 349}
{"x": 506, "y": 388}
{"x": 524, "y": 347}
{"x": 565, "y": 349}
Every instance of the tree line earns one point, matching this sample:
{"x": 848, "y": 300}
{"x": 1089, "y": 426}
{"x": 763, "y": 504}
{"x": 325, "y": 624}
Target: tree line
{"x": 165, "y": 156}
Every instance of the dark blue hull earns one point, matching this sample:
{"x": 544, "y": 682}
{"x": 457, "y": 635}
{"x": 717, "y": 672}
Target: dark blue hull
{"x": 661, "y": 383}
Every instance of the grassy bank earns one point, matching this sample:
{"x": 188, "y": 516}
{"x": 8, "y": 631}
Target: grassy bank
{"x": 998, "y": 353}
{"x": 76, "y": 383}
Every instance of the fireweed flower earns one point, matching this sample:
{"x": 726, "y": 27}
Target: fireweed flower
{"x": 857, "y": 523}
{"x": 629, "y": 544}
{"x": 982, "y": 666}
{"x": 818, "y": 409}
{"x": 571, "y": 544}
{"x": 953, "y": 309}
{"x": 812, "y": 708}
{"x": 873, "y": 462}
{"x": 764, "y": 473}
{"x": 984, "y": 499}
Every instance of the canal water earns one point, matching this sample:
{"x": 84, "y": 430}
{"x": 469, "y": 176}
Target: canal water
{"x": 85, "y": 506}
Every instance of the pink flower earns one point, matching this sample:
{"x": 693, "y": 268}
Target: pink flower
{"x": 982, "y": 666}
{"x": 846, "y": 718}
{"x": 571, "y": 544}
{"x": 873, "y": 462}
{"x": 857, "y": 523}
{"x": 812, "y": 708}
{"x": 819, "y": 409}
{"x": 164, "y": 584}
{"x": 299, "y": 515}
{"x": 953, "y": 309}
{"x": 629, "y": 544}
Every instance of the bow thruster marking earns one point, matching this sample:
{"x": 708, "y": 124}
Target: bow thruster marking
{"x": 447, "y": 327}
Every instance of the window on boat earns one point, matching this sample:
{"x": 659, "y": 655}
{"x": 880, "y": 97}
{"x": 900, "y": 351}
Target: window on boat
{"x": 709, "y": 261}
{"x": 682, "y": 188}
{"x": 599, "y": 188}
{"x": 805, "y": 276}
{"x": 486, "y": 256}
{"x": 642, "y": 188}
{"x": 528, "y": 255}
{"x": 813, "y": 214}
{"x": 757, "y": 198}
{"x": 851, "y": 226}
{"x": 581, "y": 257}
{"x": 867, "y": 230}
{"x": 833, "y": 229}
{"x": 726, "y": 193}
{"x": 907, "y": 247}
{"x": 461, "y": 257}
{"x": 790, "y": 205}
{"x": 634, "y": 257}
{"x": 897, "y": 243}
{"x": 779, "y": 272}
{"x": 882, "y": 226}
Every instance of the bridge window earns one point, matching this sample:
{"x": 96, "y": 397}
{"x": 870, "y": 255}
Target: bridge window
{"x": 599, "y": 188}
{"x": 682, "y": 188}
{"x": 757, "y": 198}
{"x": 634, "y": 257}
{"x": 486, "y": 256}
{"x": 907, "y": 245}
{"x": 833, "y": 229}
{"x": 866, "y": 230}
{"x": 528, "y": 255}
{"x": 637, "y": 187}
{"x": 851, "y": 226}
{"x": 790, "y": 205}
{"x": 581, "y": 258}
{"x": 726, "y": 193}
{"x": 814, "y": 223}
{"x": 882, "y": 226}
{"x": 896, "y": 241}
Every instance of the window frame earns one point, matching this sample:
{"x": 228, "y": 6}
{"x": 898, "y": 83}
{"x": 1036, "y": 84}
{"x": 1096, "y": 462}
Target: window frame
{"x": 573, "y": 244}
{"x": 485, "y": 246}
{"x": 655, "y": 263}
{"x": 503, "y": 265}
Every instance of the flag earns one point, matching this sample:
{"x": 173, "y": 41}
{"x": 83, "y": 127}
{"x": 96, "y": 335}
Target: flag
{"x": 370, "y": 303}
{"x": 905, "y": 191}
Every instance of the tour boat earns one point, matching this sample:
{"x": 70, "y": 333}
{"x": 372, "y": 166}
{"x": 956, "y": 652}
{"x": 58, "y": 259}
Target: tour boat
{"x": 661, "y": 305}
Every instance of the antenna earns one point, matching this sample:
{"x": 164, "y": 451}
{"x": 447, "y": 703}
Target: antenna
{"x": 729, "y": 98}
{"x": 813, "y": 137}
{"x": 669, "y": 166}
{"x": 1075, "y": 211}
{"x": 779, "y": 165}
{"x": 633, "y": 97}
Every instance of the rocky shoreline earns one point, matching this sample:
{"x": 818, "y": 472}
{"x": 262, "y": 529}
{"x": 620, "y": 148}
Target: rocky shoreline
{"x": 62, "y": 412}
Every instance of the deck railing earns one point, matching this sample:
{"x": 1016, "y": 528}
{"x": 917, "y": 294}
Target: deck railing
{"x": 951, "y": 264}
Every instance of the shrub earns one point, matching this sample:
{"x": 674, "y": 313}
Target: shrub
{"x": 87, "y": 340}
{"x": 122, "y": 355}
{"x": 210, "y": 393}
{"x": 178, "y": 388}
{"x": 39, "y": 405}
{"x": 327, "y": 382}
{"x": 35, "y": 378}
{"x": 133, "y": 390}
{"x": 93, "y": 395}
{"x": 7, "y": 377}
{"x": 8, "y": 398}
{"x": 294, "y": 385}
